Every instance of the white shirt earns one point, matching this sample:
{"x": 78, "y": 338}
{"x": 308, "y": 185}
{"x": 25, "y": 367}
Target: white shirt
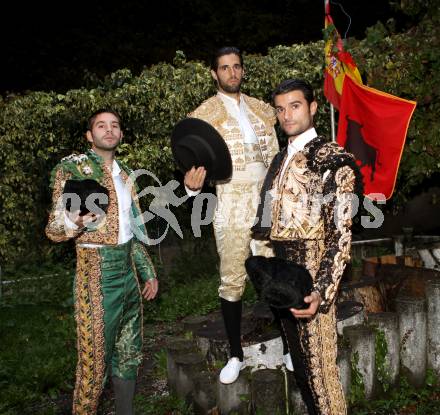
{"x": 239, "y": 111}
{"x": 124, "y": 205}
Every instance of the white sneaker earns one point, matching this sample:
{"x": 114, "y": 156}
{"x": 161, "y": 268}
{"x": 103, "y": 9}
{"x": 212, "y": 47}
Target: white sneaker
{"x": 287, "y": 360}
{"x": 230, "y": 372}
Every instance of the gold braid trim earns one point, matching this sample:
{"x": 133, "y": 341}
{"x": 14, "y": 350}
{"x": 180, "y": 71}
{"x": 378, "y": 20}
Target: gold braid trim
{"x": 141, "y": 308}
{"x": 265, "y": 113}
{"x": 322, "y": 353}
{"x": 89, "y": 315}
{"x": 146, "y": 255}
{"x": 319, "y": 341}
{"x": 261, "y": 116}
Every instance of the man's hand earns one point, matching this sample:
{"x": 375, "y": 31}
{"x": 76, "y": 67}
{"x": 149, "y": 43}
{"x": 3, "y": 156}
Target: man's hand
{"x": 82, "y": 221}
{"x": 314, "y": 299}
{"x": 195, "y": 178}
{"x": 150, "y": 289}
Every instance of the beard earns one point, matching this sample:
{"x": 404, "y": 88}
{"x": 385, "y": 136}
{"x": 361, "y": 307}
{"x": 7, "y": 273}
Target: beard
{"x": 231, "y": 89}
{"x": 298, "y": 128}
{"x": 108, "y": 147}
{"x": 103, "y": 145}
{"x": 296, "y": 131}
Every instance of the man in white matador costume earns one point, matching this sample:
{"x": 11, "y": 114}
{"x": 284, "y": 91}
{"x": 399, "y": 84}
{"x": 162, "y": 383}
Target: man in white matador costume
{"x": 247, "y": 126}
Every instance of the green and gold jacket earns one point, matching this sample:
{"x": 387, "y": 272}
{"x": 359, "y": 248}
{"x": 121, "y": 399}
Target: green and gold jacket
{"x": 91, "y": 166}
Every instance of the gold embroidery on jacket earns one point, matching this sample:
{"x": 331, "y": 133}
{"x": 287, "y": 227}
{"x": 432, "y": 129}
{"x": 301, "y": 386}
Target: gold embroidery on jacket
{"x": 296, "y": 212}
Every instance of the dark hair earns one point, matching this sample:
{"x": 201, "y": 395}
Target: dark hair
{"x": 290, "y": 85}
{"x": 92, "y": 118}
{"x": 225, "y": 50}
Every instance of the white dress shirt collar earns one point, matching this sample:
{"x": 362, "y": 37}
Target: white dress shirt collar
{"x": 223, "y": 96}
{"x": 301, "y": 141}
{"x": 115, "y": 169}
{"x": 296, "y": 145}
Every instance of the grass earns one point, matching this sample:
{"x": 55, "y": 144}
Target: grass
{"x": 160, "y": 364}
{"x": 38, "y": 352}
{"x": 37, "y": 356}
{"x": 195, "y": 297}
{"x": 32, "y": 284}
{"x": 404, "y": 400}
{"x": 161, "y": 405}
{"x": 191, "y": 288}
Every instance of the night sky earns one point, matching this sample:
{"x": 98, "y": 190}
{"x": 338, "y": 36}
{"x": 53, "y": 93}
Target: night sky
{"x": 58, "y": 47}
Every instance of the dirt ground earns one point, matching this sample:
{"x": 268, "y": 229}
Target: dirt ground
{"x": 151, "y": 379}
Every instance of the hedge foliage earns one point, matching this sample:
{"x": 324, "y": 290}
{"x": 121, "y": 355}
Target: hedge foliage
{"x": 38, "y": 129}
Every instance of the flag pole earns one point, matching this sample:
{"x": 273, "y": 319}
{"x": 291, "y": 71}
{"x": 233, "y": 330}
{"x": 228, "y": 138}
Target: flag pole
{"x": 332, "y": 121}
{"x": 332, "y": 109}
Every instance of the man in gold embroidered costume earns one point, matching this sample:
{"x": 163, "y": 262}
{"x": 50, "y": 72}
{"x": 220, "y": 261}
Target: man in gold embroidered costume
{"x": 247, "y": 126}
{"x": 110, "y": 259}
{"x": 311, "y": 185}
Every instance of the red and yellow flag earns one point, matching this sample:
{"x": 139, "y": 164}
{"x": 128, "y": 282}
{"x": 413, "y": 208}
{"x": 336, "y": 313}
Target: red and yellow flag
{"x": 338, "y": 62}
{"x": 373, "y": 126}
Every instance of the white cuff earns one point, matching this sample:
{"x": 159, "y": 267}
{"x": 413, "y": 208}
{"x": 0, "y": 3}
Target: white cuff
{"x": 192, "y": 193}
{"x": 69, "y": 224}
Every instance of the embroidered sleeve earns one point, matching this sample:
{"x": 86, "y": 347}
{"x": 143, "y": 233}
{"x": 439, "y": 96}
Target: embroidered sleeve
{"x": 212, "y": 111}
{"x": 272, "y": 145}
{"x": 264, "y": 111}
{"x": 142, "y": 262}
{"x": 337, "y": 223}
{"x": 56, "y": 228}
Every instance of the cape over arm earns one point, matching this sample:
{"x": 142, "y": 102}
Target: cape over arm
{"x": 56, "y": 229}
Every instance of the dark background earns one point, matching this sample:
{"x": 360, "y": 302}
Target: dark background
{"x": 71, "y": 44}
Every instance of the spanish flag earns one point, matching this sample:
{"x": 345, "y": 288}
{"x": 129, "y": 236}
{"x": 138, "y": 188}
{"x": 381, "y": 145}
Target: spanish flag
{"x": 373, "y": 126}
{"x": 338, "y": 62}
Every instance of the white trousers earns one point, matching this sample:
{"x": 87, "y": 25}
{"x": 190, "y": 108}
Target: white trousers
{"x": 237, "y": 203}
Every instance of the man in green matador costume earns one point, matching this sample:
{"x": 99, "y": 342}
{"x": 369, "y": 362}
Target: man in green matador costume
{"x": 112, "y": 261}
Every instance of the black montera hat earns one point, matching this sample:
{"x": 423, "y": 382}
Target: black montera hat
{"x": 279, "y": 282}
{"x": 85, "y": 188}
{"x": 194, "y": 142}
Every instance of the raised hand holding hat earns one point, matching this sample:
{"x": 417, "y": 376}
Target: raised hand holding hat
{"x": 195, "y": 143}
